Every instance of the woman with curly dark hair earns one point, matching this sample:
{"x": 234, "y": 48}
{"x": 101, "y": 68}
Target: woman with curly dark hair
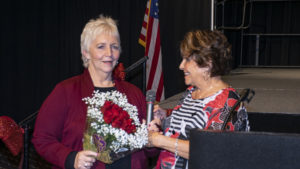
{"x": 206, "y": 57}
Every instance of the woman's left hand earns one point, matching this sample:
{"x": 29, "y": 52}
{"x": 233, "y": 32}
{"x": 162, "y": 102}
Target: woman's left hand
{"x": 154, "y": 125}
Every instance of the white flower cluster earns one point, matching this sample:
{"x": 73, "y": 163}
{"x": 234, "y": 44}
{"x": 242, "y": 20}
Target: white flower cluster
{"x": 123, "y": 139}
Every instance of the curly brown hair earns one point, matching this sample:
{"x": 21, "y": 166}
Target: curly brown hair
{"x": 208, "y": 49}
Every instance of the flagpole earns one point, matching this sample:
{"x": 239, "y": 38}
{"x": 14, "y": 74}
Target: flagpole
{"x": 212, "y": 12}
{"x": 144, "y": 77}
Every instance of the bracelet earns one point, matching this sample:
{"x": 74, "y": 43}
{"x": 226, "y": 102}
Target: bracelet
{"x": 176, "y": 145}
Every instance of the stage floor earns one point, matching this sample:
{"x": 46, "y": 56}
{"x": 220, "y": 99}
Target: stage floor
{"x": 277, "y": 90}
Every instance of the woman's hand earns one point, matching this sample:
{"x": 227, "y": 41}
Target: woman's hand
{"x": 159, "y": 115}
{"x": 155, "y": 125}
{"x": 154, "y": 138}
{"x": 159, "y": 112}
{"x": 85, "y": 159}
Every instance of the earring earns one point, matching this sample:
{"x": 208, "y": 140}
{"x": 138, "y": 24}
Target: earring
{"x": 206, "y": 75}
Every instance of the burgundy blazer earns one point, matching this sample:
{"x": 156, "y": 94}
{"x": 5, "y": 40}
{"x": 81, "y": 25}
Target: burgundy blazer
{"x": 60, "y": 123}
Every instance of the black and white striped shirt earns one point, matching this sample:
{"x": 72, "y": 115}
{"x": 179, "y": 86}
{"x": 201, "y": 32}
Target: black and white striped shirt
{"x": 190, "y": 115}
{"x": 206, "y": 113}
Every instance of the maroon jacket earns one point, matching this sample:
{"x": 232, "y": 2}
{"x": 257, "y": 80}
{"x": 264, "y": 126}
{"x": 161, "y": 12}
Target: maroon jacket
{"x": 60, "y": 123}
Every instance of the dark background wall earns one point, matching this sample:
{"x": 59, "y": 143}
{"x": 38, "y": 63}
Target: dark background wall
{"x": 280, "y": 19}
{"x": 40, "y": 41}
{"x": 276, "y": 22}
{"x": 40, "y": 45}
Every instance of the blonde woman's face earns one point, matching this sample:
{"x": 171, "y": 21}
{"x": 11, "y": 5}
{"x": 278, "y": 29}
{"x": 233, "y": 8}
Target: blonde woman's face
{"x": 104, "y": 53}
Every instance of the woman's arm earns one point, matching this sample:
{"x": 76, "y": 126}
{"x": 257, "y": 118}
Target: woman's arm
{"x": 174, "y": 145}
{"x": 49, "y": 127}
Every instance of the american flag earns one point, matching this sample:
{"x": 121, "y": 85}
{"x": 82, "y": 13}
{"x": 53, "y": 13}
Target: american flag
{"x": 150, "y": 39}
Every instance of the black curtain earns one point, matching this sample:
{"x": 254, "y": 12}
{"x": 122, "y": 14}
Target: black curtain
{"x": 176, "y": 18}
{"x": 279, "y": 17}
{"x": 267, "y": 17}
{"x": 40, "y": 46}
{"x": 40, "y": 41}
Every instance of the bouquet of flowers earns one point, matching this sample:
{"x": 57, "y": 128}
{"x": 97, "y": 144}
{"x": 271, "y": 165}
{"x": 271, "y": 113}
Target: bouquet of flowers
{"x": 113, "y": 128}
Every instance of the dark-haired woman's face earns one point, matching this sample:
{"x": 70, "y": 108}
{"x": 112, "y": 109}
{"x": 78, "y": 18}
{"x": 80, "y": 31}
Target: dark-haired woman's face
{"x": 193, "y": 74}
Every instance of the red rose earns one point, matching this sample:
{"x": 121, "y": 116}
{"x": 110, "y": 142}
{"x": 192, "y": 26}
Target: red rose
{"x": 117, "y": 123}
{"x": 106, "y": 110}
{"x": 129, "y": 127}
{"x": 115, "y": 111}
{"x": 117, "y": 117}
{"x": 107, "y": 118}
{"x": 124, "y": 115}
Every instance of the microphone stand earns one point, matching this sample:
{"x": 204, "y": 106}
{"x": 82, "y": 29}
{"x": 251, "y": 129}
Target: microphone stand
{"x": 135, "y": 65}
{"x": 25, "y": 125}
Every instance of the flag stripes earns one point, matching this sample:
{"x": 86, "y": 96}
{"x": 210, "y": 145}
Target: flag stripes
{"x": 150, "y": 39}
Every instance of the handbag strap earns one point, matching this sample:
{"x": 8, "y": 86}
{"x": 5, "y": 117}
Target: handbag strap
{"x": 244, "y": 96}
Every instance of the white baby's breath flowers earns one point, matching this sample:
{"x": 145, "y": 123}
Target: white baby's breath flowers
{"x": 123, "y": 140}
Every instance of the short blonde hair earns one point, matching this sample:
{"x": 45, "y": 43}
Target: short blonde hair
{"x": 92, "y": 29}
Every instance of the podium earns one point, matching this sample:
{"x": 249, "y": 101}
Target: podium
{"x": 243, "y": 150}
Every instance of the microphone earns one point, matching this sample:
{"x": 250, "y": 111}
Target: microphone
{"x": 150, "y": 98}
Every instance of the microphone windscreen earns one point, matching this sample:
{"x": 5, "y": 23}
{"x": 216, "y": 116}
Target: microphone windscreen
{"x": 150, "y": 96}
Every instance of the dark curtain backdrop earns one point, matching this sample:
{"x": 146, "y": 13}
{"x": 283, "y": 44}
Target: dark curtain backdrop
{"x": 268, "y": 17}
{"x": 273, "y": 18}
{"x": 176, "y": 18}
{"x": 40, "y": 46}
{"x": 40, "y": 42}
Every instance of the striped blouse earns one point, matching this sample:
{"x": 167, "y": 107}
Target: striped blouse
{"x": 206, "y": 113}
